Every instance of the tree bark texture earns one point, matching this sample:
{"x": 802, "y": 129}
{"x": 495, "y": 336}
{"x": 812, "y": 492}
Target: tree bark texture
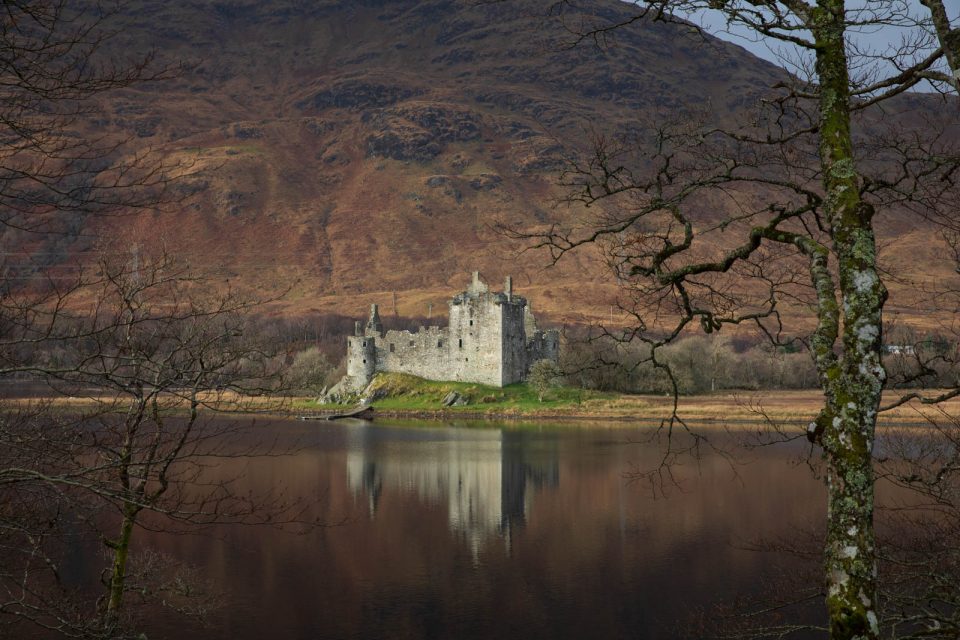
{"x": 118, "y": 573}
{"x": 852, "y": 383}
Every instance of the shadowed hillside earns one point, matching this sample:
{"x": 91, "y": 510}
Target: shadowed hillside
{"x": 351, "y": 150}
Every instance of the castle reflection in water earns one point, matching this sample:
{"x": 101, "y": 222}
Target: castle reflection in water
{"x": 486, "y": 477}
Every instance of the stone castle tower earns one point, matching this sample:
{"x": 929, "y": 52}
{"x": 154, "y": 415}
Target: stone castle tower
{"x": 491, "y": 338}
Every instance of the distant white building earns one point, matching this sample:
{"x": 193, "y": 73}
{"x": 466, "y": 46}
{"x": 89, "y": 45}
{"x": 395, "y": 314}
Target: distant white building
{"x": 899, "y": 349}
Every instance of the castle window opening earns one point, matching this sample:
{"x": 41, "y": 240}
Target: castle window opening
{"x": 460, "y": 343}
{"x": 392, "y": 348}
{"x": 411, "y": 343}
{"x": 471, "y": 323}
{"x": 439, "y": 343}
{"x": 364, "y": 344}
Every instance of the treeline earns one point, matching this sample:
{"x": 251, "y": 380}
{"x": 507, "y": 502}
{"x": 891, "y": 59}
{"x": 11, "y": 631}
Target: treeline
{"x": 311, "y": 350}
{"x": 314, "y": 346}
{"x": 702, "y": 364}
{"x": 697, "y": 364}
{"x": 315, "y": 354}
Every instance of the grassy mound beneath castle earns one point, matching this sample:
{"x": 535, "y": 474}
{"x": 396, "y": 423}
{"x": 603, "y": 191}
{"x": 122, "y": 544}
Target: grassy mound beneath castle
{"x": 403, "y": 392}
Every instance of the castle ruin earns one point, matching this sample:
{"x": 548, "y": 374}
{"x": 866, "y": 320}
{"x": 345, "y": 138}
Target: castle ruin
{"x": 492, "y": 338}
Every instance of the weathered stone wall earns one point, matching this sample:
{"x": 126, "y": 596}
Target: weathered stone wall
{"x": 476, "y": 332}
{"x": 424, "y": 353}
{"x": 513, "y": 346}
{"x": 543, "y": 345}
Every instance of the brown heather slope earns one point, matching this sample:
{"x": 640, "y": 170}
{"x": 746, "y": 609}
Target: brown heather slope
{"x": 350, "y": 150}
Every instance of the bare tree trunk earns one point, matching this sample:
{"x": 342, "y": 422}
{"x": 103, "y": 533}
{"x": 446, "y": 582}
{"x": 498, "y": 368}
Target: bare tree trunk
{"x": 118, "y": 573}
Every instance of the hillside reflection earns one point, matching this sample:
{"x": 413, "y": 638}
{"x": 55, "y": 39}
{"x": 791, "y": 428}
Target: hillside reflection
{"x": 482, "y": 479}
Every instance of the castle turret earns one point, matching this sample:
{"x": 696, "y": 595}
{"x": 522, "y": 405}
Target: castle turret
{"x": 361, "y": 359}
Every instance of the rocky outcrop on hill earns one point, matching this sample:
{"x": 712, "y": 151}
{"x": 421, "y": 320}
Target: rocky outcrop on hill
{"x": 418, "y": 131}
{"x": 357, "y": 95}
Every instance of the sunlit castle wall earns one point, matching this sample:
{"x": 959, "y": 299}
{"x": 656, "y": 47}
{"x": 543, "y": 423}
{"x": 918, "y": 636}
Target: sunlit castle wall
{"x": 476, "y": 324}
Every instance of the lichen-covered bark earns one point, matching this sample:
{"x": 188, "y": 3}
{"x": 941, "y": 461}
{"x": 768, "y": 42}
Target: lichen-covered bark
{"x": 948, "y": 38}
{"x": 852, "y": 383}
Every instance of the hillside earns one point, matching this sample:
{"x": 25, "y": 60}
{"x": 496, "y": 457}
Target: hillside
{"x": 353, "y": 150}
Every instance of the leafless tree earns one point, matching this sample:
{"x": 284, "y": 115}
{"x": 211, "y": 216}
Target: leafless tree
{"x": 149, "y": 345}
{"x": 919, "y": 533}
{"x": 544, "y": 375}
{"x": 54, "y": 164}
{"x": 708, "y": 225}
{"x": 151, "y": 352}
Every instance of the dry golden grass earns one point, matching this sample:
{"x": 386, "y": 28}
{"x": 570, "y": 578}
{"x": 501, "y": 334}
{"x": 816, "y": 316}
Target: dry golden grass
{"x": 225, "y": 401}
{"x": 757, "y": 406}
{"x": 720, "y": 408}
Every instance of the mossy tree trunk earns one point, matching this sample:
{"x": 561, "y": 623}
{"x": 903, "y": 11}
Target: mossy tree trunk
{"x": 948, "y": 37}
{"x": 131, "y": 495}
{"x": 852, "y": 382}
{"x": 120, "y": 546}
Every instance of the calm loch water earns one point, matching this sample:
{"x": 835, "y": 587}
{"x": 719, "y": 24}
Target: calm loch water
{"x": 441, "y": 531}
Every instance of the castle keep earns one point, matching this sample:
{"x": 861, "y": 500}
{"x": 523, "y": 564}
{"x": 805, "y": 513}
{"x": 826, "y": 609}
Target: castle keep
{"x": 492, "y": 338}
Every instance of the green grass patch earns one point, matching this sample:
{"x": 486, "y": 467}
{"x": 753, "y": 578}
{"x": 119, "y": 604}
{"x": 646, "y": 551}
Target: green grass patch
{"x": 410, "y": 393}
{"x": 241, "y": 149}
